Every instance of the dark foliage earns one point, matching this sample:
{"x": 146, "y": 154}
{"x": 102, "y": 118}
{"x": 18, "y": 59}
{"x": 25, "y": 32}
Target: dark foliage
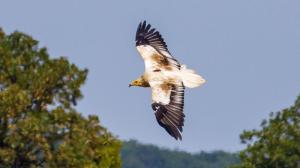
{"x": 136, "y": 155}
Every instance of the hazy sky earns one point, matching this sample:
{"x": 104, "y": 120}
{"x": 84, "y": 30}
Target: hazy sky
{"x": 247, "y": 50}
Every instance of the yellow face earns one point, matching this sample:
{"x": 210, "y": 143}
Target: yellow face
{"x": 136, "y": 83}
{"x": 139, "y": 82}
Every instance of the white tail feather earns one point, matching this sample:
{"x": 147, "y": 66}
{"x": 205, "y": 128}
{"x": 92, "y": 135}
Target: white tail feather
{"x": 189, "y": 78}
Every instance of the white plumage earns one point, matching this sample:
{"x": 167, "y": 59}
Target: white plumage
{"x": 166, "y": 77}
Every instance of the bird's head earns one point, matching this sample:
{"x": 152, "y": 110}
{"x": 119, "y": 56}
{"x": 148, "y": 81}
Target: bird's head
{"x": 139, "y": 82}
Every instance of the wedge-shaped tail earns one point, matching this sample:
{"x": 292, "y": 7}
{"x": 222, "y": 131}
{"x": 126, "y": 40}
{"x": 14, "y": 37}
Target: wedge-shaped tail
{"x": 189, "y": 78}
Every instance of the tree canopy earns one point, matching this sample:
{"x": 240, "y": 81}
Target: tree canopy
{"x": 276, "y": 144}
{"x": 39, "y": 126}
{"x": 136, "y": 155}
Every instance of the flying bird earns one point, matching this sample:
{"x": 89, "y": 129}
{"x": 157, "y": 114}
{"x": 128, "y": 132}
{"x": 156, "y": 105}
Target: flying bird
{"x": 166, "y": 77}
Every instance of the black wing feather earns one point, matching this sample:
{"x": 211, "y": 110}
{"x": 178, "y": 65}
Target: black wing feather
{"x": 171, "y": 116}
{"x": 147, "y": 36}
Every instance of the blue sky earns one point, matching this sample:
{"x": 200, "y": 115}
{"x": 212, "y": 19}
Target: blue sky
{"x": 248, "y": 51}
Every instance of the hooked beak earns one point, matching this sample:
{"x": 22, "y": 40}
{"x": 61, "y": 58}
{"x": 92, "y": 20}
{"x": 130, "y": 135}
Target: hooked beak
{"x": 130, "y": 85}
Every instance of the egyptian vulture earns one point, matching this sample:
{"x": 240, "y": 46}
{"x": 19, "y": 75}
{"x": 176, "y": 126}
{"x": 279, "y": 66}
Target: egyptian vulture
{"x": 166, "y": 77}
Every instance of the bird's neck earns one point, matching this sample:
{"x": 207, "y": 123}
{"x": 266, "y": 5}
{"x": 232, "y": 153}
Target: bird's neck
{"x": 144, "y": 82}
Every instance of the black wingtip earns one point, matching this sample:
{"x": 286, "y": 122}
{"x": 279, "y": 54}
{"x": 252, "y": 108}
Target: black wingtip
{"x": 166, "y": 121}
{"x": 145, "y": 35}
{"x": 142, "y": 32}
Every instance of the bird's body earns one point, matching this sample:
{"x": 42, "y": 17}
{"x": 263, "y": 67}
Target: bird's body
{"x": 166, "y": 77}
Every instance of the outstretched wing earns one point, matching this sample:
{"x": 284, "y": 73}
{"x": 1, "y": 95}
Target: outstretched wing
{"x": 153, "y": 49}
{"x": 168, "y": 102}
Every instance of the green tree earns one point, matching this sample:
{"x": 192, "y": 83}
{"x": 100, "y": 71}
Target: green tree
{"x": 39, "y": 126}
{"x": 136, "y": 155}
{"x": 277, "y": 144}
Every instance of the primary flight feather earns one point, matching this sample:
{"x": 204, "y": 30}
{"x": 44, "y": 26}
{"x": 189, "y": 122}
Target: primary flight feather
{"x": 166, "y": 77}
